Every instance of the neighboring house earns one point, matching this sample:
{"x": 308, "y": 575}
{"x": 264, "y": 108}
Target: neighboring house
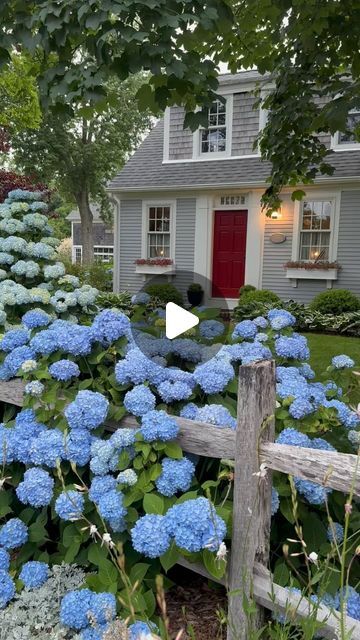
{"x": 103, "y": 237}
{"x": 195, "y": 198}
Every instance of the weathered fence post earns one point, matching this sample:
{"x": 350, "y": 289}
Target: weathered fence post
{"x": 252, "y": 493}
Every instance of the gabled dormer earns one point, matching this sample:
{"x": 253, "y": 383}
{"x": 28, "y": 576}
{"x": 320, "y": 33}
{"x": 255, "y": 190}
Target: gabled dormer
{"x": 232, "y": 129}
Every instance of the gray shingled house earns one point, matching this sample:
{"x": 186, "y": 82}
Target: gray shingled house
{"x": 103, "y": 237}
{"x": 194, "y": 198}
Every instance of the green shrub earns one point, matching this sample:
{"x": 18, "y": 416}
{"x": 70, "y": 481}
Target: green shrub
{"x": 246, "y": 288}
{"x": 121, "y": 301}
{"x": 335, "y": 301}
{"x": 98, "y": 274}
{"x": 259, "y": 295}
{"x": 165, "y": 293}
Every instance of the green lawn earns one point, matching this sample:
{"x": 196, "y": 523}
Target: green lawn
{"x": 323, "y": 347}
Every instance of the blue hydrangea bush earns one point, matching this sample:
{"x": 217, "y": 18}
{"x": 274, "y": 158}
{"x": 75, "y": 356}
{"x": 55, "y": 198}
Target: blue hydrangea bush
{"x": 31, "y": 276}
{"x": 127, "y": 503}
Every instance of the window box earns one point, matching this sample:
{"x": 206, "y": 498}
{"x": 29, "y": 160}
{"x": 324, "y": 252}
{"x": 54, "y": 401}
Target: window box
{"x": 154, "y": 269}
{"x": 311, "y": 274}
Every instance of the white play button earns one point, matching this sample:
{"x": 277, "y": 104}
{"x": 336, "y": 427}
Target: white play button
{"x": 178, "y": 320}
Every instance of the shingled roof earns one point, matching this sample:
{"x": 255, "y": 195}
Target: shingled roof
{"x": 145, "y": 170}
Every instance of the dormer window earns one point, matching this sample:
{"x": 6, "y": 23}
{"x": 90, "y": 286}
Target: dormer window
{"x": 214, "y": 140}
{"x": 346, "y": 140}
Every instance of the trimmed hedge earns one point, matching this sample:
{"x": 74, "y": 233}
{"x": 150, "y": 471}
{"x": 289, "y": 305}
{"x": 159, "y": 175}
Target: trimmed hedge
{"x": 335, "y": 301}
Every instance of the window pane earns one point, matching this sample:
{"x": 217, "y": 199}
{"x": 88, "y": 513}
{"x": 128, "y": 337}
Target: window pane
{"x": 152, "y": 212}
{"x": 353, "y": 120}
{"x": 306, "y": 222}
{"x": 304, "y": 253}
{"x": 151, "y": 225}
{"x": 307, "y": 208}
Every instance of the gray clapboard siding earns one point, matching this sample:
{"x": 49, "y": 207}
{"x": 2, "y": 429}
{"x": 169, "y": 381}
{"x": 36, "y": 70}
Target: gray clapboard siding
{"x": 185, "y": 240}
{"x": 103, "y": 235}
{"x": 245, "y": 124}
{"x": 349, "y": 242}
{"x": 276, "y": 255}
{"x": 180, "y": 139}
{"x": 130, "y": 244}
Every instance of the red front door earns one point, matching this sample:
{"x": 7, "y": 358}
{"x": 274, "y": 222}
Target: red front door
{"x": 229, "y": 253}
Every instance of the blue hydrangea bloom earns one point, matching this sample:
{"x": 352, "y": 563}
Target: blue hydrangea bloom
{"x": 335, "y": 531}
{"x": 306, "y": 371}
{"x": 350, "y": 419}
{"x": 294, "y": 347}
{"x": 195, "y": 525}
{"x": 103, "y": 607}
{"x": 142, "y": 630}
{"x": 280, "y": 319}
{"x": 342, "y": 362}
{"x": 214, "y": 375}
{"x": 101, "y": 485}
{"x": 293, "y": 438}
{"x": 352, "y": 599}
{"x": 275, "y": 502}
{"x": 15, "y": 359}
{"x": 34, "y": 574}
{"x": 174, "y": 391}
{"x": 77, "y": 447}
{"x": 300, "y": 408}
{"x": 14, "y": 338}
{"x": 187, "y": 349}
{"x": 111, "y": 506}
{"x": 176, "y": 476}
{"x": 70, "y": 505}
{"x": 47, "y": 448}
{"x": 189, "y": 411}
{"x": 13, "y": 534}
{"x": 92, "y": 633}
{"x": 35, "y": 318}
{"x": 246, "y": 329}
{"x": 150, "y": 537}
{"x": 261, "y": 322}
{"x": 75, "y": 608}
{"x": 109, "y": 326}
{"x": 4, "y": 560}
{"x": 7, "y": 589}
{"x": 210, "y": 329}
{"x": 88, "y": 411}
{"x": 127, "y": 477}
{"x": 139, "y": 401}
{"x": 34, "y": 388}
{"x": 141, "y": 298}
{"x": 64, "y": 370}
{"x": 215, "y": 414}
{"x": 36, "y": 489}
{"x": 158, "y": 425}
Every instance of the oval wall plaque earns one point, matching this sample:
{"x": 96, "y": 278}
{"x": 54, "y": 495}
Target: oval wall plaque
{"x": 277, "y": 238}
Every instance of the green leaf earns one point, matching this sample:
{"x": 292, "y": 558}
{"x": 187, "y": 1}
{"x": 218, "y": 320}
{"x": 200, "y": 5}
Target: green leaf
{"x": 72, "y": 552}
{"x": 138, "y": 572}
{"x": 173, "y": 450}
{"x": 170, "y": 558}
{"x": 281, "y": 574}
{"x": 215, "y": 567}
{"x": 153, "y": 503}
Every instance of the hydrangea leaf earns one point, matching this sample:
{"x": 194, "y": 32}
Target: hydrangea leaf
{"x": 170, "y": 558}
{"x": 215, "y": 567}
{"x": 153, "y": 503}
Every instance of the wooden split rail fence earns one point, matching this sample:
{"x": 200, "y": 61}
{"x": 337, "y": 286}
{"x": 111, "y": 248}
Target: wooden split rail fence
{"x": 251, "y": 445}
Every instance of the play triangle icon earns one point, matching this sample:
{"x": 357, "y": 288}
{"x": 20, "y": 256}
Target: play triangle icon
{"x": 178, "y": 320}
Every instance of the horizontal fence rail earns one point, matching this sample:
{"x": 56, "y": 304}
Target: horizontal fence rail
{"x": 250, "y": 446}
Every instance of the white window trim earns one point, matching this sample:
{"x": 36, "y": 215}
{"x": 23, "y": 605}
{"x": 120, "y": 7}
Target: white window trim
{"x": 334, "y": 197}
{"x": 144, "y": 235}
{"x": 96, "y": 246}
{"x": 200, "y": 155}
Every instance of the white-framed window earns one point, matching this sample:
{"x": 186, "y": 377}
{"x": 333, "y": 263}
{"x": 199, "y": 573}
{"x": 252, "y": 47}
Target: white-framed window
{"x": 158, "y": 239}
{"x": 316, "y": 222}
{"x": 346, "y": 140}
{"x": 77, "y": 254}
{"x": 104, "y": 254}
{"x": 214, "y": 140}
{"x": 316, "y": 227}
{"x": 101, "y": 254}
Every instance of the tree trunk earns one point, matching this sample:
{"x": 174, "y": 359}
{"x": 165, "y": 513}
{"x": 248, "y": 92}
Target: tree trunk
{"x": 87, "y": 229}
